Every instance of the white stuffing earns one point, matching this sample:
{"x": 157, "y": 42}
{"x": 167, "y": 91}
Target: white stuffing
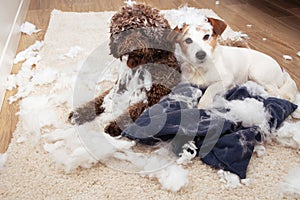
{"x": 249, "y": 25}
{"x": 188, "y": 15}
{"x": 3, "y": 158}
{"x": 235, "y": 36}
{"x": 36, "y": 114}
{"x": 298, "y": 53}
{"x": 29, "y": 28}
{"x": 231, "y": 180}
{"x": 246, "y": 181}
{"x": 259, "y": 150}
{"x": 173, "y": 178}
{"x": 287, "y": 57}
{"x": 248, "y": 111}
{"x": 243, "y": 35}
{"x": 73, "y": 52}
{"x": 75, "y": 147}
{"x": 255, "y": 89}
{"x": 147, "y": 164}
{"x": 160, "y": 164}
{"x": 130, "y": 2}
{"x": 264, "y": 39}
{"x": 72, "y": 148}
{"x": 115, "y": 103}
{"x": 217, "y": 2}
{"x": 289, "y": 134}
{"x": 290, "y": 186}
{"x": 23, "y": 80}
{"x": 32, "y": 61}
{"x": 44, "y": 77}
{"x": 186, "y": 156}
{"x": 30, "y": 52}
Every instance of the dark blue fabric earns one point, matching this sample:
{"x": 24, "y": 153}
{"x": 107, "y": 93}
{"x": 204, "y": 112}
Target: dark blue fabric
{"x": 221, "y": 143}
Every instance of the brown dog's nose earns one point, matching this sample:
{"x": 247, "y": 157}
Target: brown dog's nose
{"x": 200, "y": 55}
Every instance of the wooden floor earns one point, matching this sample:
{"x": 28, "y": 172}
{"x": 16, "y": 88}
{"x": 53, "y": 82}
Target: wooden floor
{"x": 276, "y": 20}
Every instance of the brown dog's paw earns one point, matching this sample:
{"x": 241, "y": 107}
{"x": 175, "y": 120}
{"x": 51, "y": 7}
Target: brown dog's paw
{"x": 74, "y": 118}
{"x": 113, "y": 129}
{"x": 80, "y": 116}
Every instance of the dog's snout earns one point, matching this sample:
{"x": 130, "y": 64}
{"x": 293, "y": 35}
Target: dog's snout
{"x": 200, "y": 55}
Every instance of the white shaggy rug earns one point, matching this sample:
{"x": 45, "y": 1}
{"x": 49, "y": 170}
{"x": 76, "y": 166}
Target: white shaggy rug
{"x": 50, "y": 159}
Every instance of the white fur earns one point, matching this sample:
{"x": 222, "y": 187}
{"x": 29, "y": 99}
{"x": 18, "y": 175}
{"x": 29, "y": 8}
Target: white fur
{"x": 224, "y": 67}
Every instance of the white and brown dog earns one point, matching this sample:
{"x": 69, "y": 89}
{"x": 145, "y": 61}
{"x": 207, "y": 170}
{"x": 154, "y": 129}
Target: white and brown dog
{"x": 206, "y": 63}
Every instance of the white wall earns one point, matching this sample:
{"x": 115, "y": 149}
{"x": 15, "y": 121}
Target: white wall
{"x": 12, "y": 15}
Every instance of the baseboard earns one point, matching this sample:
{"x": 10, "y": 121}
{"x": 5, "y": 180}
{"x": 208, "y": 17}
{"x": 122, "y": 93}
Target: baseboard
{"x": 10, "y": 47}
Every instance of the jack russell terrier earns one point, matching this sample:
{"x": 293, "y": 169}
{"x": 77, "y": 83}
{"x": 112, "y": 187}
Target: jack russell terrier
{"x": 206, "y": 63}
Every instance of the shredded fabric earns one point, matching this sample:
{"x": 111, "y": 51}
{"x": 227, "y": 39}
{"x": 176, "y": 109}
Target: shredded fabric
{"x": 225, "y": 136}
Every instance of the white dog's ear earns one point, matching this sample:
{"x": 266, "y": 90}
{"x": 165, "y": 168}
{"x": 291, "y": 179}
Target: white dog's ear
{"x": 218, "y": 25}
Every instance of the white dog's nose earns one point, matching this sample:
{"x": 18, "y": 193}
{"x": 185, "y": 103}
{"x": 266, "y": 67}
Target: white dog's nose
{"x": 200, "y": 55}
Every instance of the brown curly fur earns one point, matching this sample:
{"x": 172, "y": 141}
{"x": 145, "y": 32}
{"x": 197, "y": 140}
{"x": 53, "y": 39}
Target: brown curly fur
{"x": 141, "y": 33}
{"x": 137, "y": 28}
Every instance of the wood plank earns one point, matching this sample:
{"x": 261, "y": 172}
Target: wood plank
{"x": 291, "y": 21}
{"x": 262, "y": 21}
{"x": 296, "y": 12}
{"x": 269, "y": 8}
{"x": 285, "y": 4}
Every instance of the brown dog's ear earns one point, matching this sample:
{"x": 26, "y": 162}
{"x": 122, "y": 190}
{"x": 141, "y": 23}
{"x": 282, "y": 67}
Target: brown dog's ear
{"x": 172, "y": 36}
{"x": 218, "y": 25}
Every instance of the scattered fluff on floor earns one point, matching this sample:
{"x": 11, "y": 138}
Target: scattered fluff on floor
{"x": 29, "y": 28}
{"x": 76, "y": 46}
{"x": 290, "y": 186}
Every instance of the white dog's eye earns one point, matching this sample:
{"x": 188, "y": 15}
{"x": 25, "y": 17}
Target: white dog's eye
{"x": 188, "y": 40}
{"x": 206, "y": 37}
